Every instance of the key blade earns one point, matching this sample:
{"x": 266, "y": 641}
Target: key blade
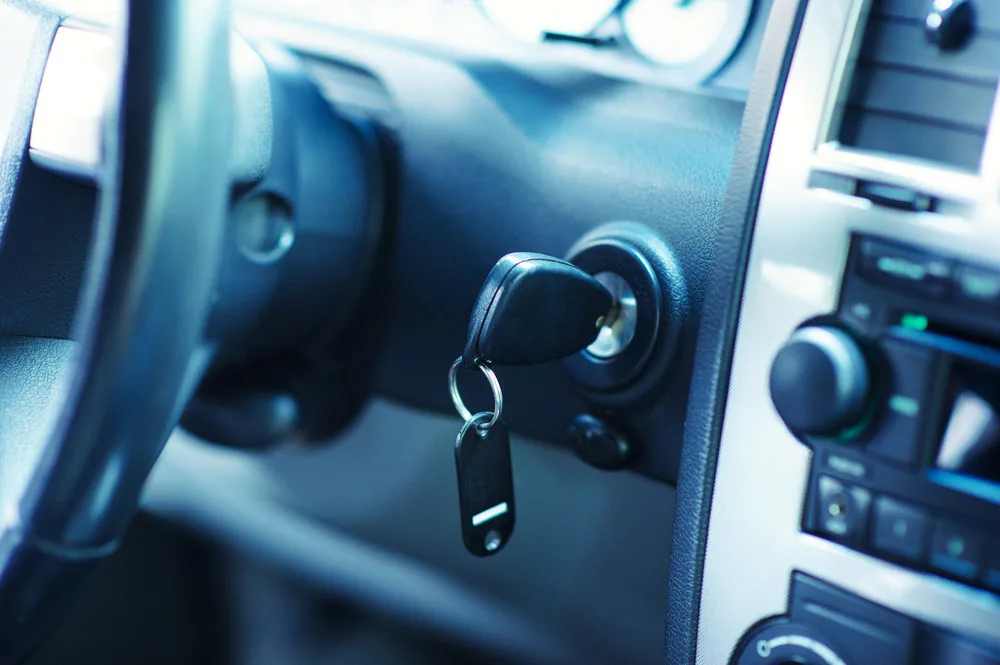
{"x": 535, "y": 308}
{"x": 485, "y": 487}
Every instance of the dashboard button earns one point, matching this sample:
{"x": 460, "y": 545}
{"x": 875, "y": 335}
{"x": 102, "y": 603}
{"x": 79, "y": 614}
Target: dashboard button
{"x": 842, "y": 510}
{"x": 906, "y": 268}
{"x": 819, "y": 381}
{"x": 899, "y": 434}
{"x": 900, "y": 529}
{"x": 978, "y": 286}
{"x": 956, "y": 550}
{"x": 949, "y": 23}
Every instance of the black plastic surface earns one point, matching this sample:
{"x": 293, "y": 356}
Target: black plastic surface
{"x": 891, "y": 487}
{"x": 598, "y": 443}
{"x": 806, "y": 387}
{"x": 828, "y": 625}
{"x": 485, "y": 486}
{"x": 901, "y": 435}
{"x": 532, "y": 309}
{"x": 900, "y": 530}
{"x": 892, "y": 196}
{"x": 43, "y": 254}
{"x": 905, "y": 268}
{"x": 716, "y": 335}
{"x": 956, "y": 549}
{"x": 908, "y": 96}
{"x": 933, "y": 320}
{"x": 864, "y": 633}
{"x": 978, "y": 286}
{"x": 901, "y": 44}
{"x": 327, "y": 173}
{"x": 795, "y": 644}
{"x": 290, "y": 329}
{"x": 992, "y": 574}
{"x": 935, "y": 648}
{"x": 842, "y": 510}
{"x": 534, "y": 160}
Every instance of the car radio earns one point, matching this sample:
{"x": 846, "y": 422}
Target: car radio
{"x": 898, "y": 394}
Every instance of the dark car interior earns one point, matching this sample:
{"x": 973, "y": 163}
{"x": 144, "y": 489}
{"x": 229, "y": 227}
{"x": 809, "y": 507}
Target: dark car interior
{"x": 538, "y": 332}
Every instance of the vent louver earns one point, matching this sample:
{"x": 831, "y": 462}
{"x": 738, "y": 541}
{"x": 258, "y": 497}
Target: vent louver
{"x": 907, "y": 97}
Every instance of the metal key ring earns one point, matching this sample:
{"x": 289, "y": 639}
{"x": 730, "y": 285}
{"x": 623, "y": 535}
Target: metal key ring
{"x": 456, "y": 397}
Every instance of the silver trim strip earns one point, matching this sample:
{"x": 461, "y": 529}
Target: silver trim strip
{"x": 754, "y": 541}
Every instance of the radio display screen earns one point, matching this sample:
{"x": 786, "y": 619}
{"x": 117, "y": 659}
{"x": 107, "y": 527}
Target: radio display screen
{"x": 970, "y": 439}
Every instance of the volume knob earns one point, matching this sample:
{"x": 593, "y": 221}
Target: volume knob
{"x": 820, "y": 381}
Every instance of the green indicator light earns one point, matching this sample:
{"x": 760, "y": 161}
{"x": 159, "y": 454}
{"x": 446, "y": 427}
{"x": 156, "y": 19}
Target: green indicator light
{"x": 981, "y": 286}
{"x": 901, "y": 268}
{"x": 904, "y": 406}
{"x": 914, "y": 321}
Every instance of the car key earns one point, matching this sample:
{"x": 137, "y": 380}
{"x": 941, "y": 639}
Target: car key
{"x": 532, "y": 308}
{"x": 535, "y": 308}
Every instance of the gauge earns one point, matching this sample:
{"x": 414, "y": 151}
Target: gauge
{"x": 692, "y": 37}
{"x": 531, "y": 19}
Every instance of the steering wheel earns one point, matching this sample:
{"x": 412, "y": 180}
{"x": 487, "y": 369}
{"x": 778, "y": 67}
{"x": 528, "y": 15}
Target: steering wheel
{"x": 83, "y": 420}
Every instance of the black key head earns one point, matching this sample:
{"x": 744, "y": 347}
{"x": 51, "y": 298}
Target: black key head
{"x": 535, "y": 308}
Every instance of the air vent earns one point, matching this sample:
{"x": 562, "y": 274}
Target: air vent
{"x": 910, "y": 98}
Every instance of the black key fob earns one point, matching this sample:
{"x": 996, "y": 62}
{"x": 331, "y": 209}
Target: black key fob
{"x": 485, "y": 485}
{"x": 534, "y": 308}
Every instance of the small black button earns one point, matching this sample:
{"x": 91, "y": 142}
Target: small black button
{"x": 900, "y": 529}
{"x": 906, "y": 268}
{"x": 598, "y": 443}
{"x": 956, "y": 550}
{"x": 949, "y": 23}
{"x": 842, "y": 510}
{"x": 891, "y": 196}
{"x": 978, "y": 286}
{"x": 899, "y": 434}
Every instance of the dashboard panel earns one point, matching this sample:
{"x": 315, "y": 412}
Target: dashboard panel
{"x": 833, "y": 518}
{"x": 715, "y": 41}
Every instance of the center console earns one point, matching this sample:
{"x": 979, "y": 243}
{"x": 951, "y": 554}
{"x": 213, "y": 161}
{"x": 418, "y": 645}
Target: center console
{"x": 855, "y": 515}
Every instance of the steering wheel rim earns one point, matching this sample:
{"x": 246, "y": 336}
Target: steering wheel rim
{"x": 146, "y": 295}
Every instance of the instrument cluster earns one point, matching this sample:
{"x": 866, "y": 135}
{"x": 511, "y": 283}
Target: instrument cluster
{"x": 690, "y": 39}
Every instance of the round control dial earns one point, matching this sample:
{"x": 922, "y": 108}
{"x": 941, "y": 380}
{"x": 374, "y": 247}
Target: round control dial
{"x": 820, "y": 381}
{"x": 786, "y": 642}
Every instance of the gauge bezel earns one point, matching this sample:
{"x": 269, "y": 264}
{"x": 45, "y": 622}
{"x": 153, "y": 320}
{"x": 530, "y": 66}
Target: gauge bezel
{"x": 713, "y": 60}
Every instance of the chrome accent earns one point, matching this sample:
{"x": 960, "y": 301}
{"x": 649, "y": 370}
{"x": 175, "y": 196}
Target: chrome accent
{"x": 80, "y": 74}
{"x": 463, "y": 411}
{"x": 265, "y": 229}
{"x": 618, "y": 330}
{"x": 754, "y": 537}
{"x": 73, "y": 98}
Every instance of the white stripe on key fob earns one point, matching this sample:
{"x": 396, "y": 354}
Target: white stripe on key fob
{"x": 485, "y": 485}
